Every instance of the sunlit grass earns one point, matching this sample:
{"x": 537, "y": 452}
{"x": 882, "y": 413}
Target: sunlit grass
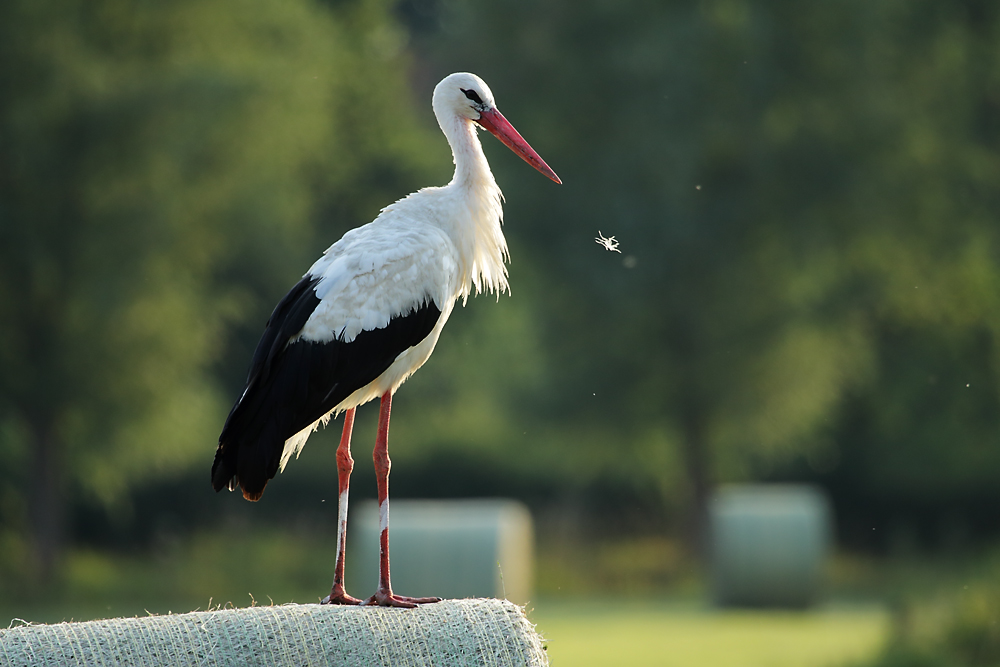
{"x": 621, "y": 632}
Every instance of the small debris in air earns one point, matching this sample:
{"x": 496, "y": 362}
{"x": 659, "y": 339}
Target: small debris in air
{"x": 609, "y": 243}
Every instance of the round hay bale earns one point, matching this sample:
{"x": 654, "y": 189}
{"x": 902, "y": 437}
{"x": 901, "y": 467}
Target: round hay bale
{"x": 769, "y": 544}
{"x": 479, "y": 547}
{"x": 451, "y": 632}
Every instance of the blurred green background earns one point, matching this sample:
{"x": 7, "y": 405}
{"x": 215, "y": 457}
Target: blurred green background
{"x": 807, "y": 202}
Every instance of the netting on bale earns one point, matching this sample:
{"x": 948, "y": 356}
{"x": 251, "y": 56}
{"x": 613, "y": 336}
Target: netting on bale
{"x": 449, "y": 633}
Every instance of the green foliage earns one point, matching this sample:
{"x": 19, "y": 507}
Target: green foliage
{"x": 163, "y": 170}
{"x": 795, "y": 193}
{"x": 956, "y": 626}
{"x": 805, "y": 201}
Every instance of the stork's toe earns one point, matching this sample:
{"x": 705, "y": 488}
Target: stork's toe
{"x": 340, "y": 597}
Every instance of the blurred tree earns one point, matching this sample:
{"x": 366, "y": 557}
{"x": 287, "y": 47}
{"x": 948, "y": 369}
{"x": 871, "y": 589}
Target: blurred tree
{"x": 791, "y": 189}
{"x": 162, "y": 166}
{"x": 805, "y": 200}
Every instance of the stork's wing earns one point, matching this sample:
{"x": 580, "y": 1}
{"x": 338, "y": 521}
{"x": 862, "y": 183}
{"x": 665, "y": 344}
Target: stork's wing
{"x": 294, "y": 381}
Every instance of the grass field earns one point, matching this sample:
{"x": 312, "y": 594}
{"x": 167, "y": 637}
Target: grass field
{"x": 588, "y": 633}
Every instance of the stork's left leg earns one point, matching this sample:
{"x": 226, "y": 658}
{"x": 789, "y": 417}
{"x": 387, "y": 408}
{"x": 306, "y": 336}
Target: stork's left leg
{"x": 384, "y": 595}
{"x": 345, "y": 464}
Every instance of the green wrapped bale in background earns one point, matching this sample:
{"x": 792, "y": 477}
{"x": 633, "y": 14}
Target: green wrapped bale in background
{"x": 768, "y": 545}
{"x": 445, "y": 548}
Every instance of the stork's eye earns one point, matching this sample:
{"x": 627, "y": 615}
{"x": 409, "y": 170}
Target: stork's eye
{"x": 472, "y": 95}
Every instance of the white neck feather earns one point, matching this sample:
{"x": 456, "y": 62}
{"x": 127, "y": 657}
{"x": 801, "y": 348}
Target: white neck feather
{"x": 477, "y": 231}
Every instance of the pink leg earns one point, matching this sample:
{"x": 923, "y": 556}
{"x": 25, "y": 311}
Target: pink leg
{"x": 345, "y": 464}
{"x": 384, "y": 595}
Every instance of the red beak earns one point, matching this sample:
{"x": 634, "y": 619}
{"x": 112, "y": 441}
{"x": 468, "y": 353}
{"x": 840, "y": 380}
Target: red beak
{"x": 494, "y": 123}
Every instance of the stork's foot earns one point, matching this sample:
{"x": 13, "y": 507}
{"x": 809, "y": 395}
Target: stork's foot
{"x": 338, "y": 596}
{"x": 388, "y": 599}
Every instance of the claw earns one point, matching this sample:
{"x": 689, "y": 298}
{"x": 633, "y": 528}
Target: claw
{"x": 388, "y": 599}
{"x": 340, "y": 597}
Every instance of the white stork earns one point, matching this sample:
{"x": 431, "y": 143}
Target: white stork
{"x": 368, "y": 314}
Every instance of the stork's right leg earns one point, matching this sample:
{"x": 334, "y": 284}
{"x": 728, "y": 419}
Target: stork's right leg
{"x": 345, "y": 464}
{"x": 383, "y": 594}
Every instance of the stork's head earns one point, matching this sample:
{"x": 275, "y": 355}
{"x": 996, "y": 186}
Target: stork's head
{"x": 467, "y": 96}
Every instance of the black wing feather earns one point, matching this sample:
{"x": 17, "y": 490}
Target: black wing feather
{"x": 290, "y": 386}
